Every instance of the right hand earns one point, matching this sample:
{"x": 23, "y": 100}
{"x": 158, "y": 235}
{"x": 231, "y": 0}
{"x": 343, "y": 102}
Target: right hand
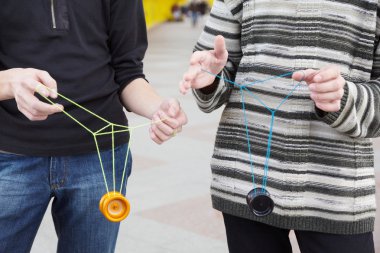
{"x": 23, "y": 83}
{"x": 212, "y": 61}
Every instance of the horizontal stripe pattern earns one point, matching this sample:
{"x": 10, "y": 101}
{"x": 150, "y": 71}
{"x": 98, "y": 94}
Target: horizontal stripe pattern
{"x": 321, "y": 173}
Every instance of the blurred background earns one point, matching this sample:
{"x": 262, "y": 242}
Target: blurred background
{"x": 169, "y": 186}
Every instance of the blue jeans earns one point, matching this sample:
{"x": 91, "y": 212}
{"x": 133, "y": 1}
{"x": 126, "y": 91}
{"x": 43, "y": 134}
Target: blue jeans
{"x": 75, "y": 183}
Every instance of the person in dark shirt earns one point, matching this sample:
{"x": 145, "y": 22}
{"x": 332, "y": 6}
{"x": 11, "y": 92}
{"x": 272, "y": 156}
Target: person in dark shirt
{"x": 92, "y": 53}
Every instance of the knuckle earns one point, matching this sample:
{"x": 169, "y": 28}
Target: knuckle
{"x": 45, "y": 73}
{"x": 34, "y": 107}
{"x": 33, "y": 111}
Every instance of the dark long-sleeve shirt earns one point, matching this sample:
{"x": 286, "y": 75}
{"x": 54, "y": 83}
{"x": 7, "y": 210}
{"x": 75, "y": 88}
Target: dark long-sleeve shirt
{"x": 93, "y": 49}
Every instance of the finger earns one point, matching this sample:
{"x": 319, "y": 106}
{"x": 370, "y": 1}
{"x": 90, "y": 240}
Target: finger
{"x": 333, "y": 106}
{"x": 178, "y": 130}
{"x": 35, "y": 86}
{"x": 220, "y": 47}
{"x": 192, "y": 73}
{"x": 326, "y": 74}
{"x": 159, "y": 134}
{"x": 37, "y": 107}
{"x": 170, "y": 107}
{"x": 304, "y": 75}
{"x": 184, "y": 87}
{"x": 171, "y": 122}
{"x": 162, "y": 125}
{"x": 181, "y": 118}
{"x": 328, "y": 96}
{"x": 30, "y": 116}
{"x": 174, "y": 107}
{"x": 45, "y": 78}
{"x": 329, "y": 86}
{"x": 154, "y": 137}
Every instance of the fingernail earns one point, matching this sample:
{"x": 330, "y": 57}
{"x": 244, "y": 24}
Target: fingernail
{"x": 312, "y": 86}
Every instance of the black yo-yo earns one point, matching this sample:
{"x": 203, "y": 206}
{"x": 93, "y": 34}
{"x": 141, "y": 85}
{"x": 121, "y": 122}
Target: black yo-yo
{"x": 260, "y": 202}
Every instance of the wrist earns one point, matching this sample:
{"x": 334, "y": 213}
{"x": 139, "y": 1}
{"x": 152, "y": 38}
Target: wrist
{"x": 211, "y": 88}
{"x": 5, "y": 87}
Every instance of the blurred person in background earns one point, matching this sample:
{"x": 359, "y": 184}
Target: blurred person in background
{"x": 194, "y": 12}
{"x": 177, "y": 13}
{"x": 203, "y": 7}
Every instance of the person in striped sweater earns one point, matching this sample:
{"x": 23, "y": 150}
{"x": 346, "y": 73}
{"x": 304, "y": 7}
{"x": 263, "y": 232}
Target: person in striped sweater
{"x": 311, "y": 151}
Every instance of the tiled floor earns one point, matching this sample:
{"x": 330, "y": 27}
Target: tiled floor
{"x": 169, "y": 187}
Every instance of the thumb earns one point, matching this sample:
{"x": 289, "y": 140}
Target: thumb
{"x": 304, "y": 75}
{"x": 171, "y": 107}
{"x": 220, "y": 47}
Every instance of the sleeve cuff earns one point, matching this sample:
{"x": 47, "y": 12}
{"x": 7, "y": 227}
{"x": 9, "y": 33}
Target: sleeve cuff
{"x": 331, "y": 117}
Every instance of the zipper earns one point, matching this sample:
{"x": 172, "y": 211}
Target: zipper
{"x": 53, "y": 14}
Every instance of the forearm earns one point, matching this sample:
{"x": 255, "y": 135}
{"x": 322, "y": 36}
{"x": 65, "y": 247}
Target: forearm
{"x": 139, "y": 97}
{"x": 5, "y": 87}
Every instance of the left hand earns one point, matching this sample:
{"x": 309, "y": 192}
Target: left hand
{"x": 167, "y": 121}
{"x": 326, "y": 86}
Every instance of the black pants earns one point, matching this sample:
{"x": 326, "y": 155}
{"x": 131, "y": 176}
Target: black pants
{"x": 246, "y": 236}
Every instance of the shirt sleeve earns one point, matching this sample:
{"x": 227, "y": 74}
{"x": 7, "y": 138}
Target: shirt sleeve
{"x": 359, "y": 116}
{"x": 127, "y": 40}
{"x": 225, "y": 20}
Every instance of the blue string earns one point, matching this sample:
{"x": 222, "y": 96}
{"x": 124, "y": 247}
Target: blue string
{"x": 271, "y": 78}
{"x": 266, "y": 167}
{"x": 272, "y": 111}
{"x": 222, "y": 78}
{"x": 248, "y": 139}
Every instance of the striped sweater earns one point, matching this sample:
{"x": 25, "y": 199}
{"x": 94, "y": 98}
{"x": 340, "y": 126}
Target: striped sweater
{"x": 321, "y": 169}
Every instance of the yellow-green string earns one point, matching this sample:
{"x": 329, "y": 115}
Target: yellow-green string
{"x": 113, "y": 159}
{"x": 101, "y": 163}
{"x": 100, "y": 133}
{"x": 126, "y": 161}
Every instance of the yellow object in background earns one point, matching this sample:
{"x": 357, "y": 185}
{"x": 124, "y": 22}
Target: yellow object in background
{"x": 158, "y": 11}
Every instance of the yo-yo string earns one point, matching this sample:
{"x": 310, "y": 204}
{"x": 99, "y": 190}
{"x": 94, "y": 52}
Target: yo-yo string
{"x": 243, "y": 88}
{"x": 248, "y": 139}
{"x": 126, "y": 161}
{"x": 100, "y": 133}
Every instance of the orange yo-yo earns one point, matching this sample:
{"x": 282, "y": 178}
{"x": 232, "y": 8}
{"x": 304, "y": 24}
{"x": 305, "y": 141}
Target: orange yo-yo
{"x": 114, "y": 206}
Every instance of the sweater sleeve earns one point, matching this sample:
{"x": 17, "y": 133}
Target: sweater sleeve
{"x": 127, "y": 40}
{"x": 359, "y": 116}
{"x": 225, "y": 20}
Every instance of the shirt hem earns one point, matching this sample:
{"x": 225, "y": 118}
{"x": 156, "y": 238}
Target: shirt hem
{"x": 307, "y": 223}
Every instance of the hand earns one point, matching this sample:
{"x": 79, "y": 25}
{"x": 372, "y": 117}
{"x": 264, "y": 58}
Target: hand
{"x": 23, "y": 83}
{"x": 213, "y": 61}
{"x": 326, "y": 86}
{"x": 167, "y": 121}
